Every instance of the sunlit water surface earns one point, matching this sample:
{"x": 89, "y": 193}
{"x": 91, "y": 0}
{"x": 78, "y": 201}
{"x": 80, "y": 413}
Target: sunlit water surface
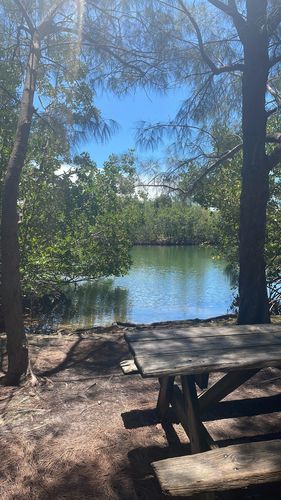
{"x": 164, "y": 283}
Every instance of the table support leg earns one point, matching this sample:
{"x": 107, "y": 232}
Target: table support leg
{"x": 177, "y": 402}
{"x": 197, "y": 439}
{"x": 202, "y": 380}
{"x": 165, "y": 391}
{"x": 223, "y": 387}
{"x": 191, "y": 408}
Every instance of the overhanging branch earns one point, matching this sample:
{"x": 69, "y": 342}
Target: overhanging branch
{"x": 210, "y": 168}
{"x": 273, "y": 159}
{"x": 216, "y": 70}
{"x": 231, "y": 10}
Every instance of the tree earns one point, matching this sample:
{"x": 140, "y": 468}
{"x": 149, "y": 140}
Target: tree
{"x": 222, "y": 190}
{"x": 9, "y": 81}
{"x": 74, "y": 224}
{"x": 227, "y": 51}
{"x": 58, "y": 77}
{"x": 11, "y": 286}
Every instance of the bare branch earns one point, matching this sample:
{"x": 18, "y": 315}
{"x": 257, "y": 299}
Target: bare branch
{"x": 274, "y": 93}
{"x": 273, "y": 159}
{"x": 209, "y": 169}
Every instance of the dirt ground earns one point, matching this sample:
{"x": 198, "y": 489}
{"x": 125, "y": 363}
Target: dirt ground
{"x": 90, "y": 432}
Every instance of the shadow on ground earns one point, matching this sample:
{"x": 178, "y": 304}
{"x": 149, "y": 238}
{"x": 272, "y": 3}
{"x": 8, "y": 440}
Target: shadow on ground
{"x": 89, "y": 432}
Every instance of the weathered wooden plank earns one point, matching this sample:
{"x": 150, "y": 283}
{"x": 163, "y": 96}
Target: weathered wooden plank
{"x": 164, "y": 396}
{"x": 223, "y": 387}
{"x": 199, "y": 331}
{"x": 185, "y": 363}
{"x": 177, "y": 402}
{"x": 235, "y": 466}
{"x": 128, "y": 367}
{"x": 201, "y": 344}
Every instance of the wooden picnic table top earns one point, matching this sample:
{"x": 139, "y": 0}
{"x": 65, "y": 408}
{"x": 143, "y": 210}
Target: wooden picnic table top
{"x": 201, "y": 349}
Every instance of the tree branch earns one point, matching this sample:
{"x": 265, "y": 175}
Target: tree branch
{"x": 162, "y": 185}
{"x": 49, "y": 17}
{"x": 273, "y": 138}
{"x": 187, "y": 192}
{"x": 275, "y": 157}
{"x": 226, "y": 156}
{"x": 26, "y": 16}
{"x": 231, "y": 10}
{"x": 274, "y": 60}
{"x": 274, "y": 19}
{"x": 215, "y": 69}
{"x": 203, "y": 53}
{"x": 274, "y": 94}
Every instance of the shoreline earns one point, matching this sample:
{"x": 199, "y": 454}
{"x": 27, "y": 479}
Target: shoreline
{"x": 160, "y": 243}
{"x": 117, "y": 327}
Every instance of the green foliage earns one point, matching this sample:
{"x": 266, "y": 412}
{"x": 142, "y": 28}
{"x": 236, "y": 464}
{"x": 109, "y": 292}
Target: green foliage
{"x": 221, "y": 190}
{"x": 163, "y": 221}
{"x": 75, "y": 223}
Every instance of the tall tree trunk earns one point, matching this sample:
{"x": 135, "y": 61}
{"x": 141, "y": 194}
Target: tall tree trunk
{"x": 253, "y": 306}
{"x": 11, "y": 286}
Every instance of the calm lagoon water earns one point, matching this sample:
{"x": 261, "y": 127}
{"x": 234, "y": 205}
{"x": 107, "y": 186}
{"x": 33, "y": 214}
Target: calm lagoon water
{"x": 164, "y": 283}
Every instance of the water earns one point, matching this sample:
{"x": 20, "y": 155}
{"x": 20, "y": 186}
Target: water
{"x": 164, "y": 283}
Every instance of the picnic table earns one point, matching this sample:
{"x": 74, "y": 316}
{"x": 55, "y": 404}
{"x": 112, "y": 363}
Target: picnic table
{"x": 190, "y": 354}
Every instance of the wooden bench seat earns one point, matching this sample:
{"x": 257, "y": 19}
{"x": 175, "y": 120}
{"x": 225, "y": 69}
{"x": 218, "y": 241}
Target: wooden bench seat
{"x": 128, "y": 367}
{"x": 234, "y": 466}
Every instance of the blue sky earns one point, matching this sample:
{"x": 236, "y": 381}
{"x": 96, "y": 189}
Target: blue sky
{"x": 127, "y": 111}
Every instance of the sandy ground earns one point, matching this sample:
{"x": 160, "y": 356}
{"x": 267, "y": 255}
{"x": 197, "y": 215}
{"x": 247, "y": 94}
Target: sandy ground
{"x": 90, "y": 432}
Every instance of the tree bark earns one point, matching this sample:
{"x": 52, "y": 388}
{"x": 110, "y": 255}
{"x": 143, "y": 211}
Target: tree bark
{"x": 11, "y": 286}
{"x": 253, "y": 299}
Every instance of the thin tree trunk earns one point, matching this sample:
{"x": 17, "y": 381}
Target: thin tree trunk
{"x": 11, "y": 286}
{"x": 253, "y": 305}
{"x": 2, "y": 327}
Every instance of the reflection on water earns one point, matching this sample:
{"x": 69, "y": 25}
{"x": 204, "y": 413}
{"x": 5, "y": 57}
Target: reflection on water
{"x": 90, "y": 303}
{"x": 164, "y": 283}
